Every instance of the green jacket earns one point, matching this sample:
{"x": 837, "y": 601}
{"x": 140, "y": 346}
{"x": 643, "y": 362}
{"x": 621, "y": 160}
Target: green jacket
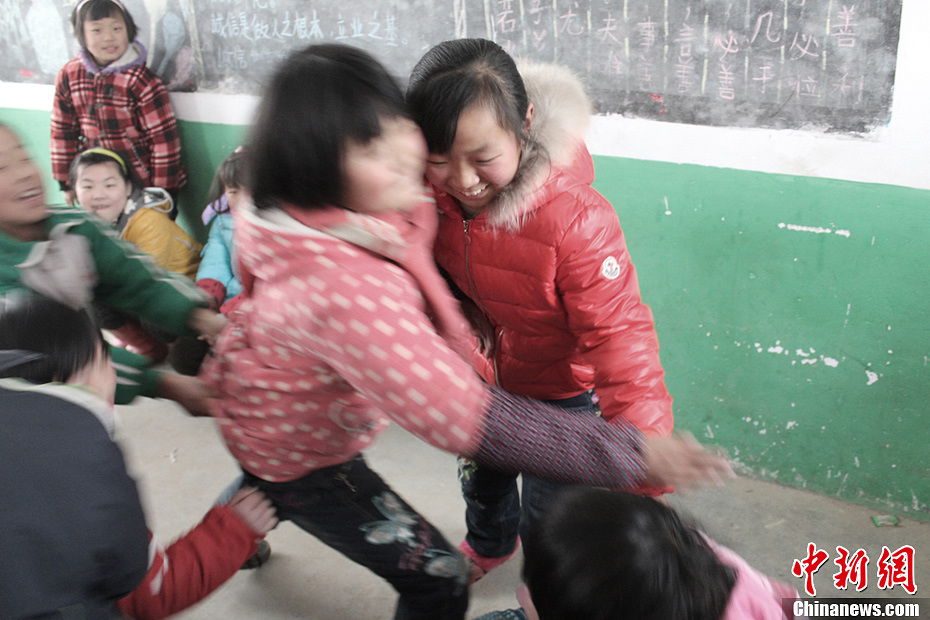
{"x": 86, "y": 261}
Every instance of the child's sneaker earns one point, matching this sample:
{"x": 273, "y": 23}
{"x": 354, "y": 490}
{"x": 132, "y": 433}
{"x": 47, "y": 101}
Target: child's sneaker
{"x": 479, "y": 566}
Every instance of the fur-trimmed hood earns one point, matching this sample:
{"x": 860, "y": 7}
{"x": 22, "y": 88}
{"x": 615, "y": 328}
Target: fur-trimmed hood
{"x": 561, "y": 113}
{"x": 561, "y": 109}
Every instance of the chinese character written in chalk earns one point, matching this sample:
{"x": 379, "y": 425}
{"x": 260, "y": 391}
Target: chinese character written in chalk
{"x": 845, "y": 31}
{"x": 725, "y": 78}
{"x": 684, "y": 67}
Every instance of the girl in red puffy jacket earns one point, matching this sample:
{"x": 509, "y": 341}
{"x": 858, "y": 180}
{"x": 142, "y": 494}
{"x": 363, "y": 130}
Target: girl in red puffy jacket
{"x": 539, "y": 258}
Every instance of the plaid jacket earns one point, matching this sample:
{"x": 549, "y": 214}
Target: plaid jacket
{"x": 123, "y": 107}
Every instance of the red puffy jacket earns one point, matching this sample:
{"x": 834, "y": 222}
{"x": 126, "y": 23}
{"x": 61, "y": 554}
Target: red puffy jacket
{"x": 547, "y": 264}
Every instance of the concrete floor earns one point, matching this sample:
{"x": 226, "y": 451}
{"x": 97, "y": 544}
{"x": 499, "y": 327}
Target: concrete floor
{"x": 181, "y": 465}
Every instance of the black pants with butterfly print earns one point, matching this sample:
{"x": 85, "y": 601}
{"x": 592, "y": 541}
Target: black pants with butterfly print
{"x": 351, "y": 509}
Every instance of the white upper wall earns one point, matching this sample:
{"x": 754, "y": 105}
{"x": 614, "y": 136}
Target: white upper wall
{"x": 898, "y": 154}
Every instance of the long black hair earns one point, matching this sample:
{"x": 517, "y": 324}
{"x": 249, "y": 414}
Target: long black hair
{"x": 601, "y": 555}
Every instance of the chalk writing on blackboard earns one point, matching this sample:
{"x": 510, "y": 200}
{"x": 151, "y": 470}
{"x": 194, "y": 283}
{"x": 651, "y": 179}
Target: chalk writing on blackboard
{"x": 827, "y": 65}
{"x": 243, "y": 41}
{"x": 768, "y": 63}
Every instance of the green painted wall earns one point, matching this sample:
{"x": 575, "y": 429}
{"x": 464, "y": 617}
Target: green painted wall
{"x": 736, "y": 297}
{"x": 768, "y": 333}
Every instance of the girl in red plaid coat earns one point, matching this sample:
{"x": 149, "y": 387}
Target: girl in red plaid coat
{"x": 108, "y": 97}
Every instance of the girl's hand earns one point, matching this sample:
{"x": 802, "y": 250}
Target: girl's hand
{"x": 481, "y": 326}
{"x": 189, "y": 392}
{"x": 255, "y": 509}
{"x": 207, "y": 323}
{"x": 680, "y": 461}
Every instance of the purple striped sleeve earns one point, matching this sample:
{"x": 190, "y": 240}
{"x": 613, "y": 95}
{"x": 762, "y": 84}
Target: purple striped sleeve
{"x": 526, "y": 435}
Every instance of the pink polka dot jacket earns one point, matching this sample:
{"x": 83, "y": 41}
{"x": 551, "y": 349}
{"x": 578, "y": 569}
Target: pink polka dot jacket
{"x": 345, "y": 325}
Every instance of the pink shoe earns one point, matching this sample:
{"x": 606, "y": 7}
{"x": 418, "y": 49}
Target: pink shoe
{"x": 479, "y": 566}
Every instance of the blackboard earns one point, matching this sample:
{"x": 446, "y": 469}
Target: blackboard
{"x": 825, "y": 65}
{"x": 36, "y": 39}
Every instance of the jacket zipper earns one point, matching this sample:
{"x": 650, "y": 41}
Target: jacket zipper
{"x": 498, "y": 337}
{"x": 498, "y": 332}
{"x": 471, "y": 283}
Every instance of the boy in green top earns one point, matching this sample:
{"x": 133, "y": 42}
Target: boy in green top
{"x": 65, "y": 254}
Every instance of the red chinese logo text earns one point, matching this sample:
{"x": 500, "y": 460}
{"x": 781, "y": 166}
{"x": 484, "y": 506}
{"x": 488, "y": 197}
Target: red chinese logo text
{"x": 809, "y": 565}
{"x": 893, "y": 568}
{"x": 897, "y": 568}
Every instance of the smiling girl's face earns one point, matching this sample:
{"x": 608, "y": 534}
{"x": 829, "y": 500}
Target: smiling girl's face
{"x": 22, "y": 197}
{"x": 106, "y": 39}
{"x": 102, "y": 190}
{"x": 483, "y": 160}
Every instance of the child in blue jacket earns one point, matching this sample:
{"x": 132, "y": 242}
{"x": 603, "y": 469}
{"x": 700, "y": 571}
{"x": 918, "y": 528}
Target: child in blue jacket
{"x": 218, "y": 274}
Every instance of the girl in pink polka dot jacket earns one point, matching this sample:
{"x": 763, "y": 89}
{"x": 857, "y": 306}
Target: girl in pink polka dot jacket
{"x": 345, "y": 325}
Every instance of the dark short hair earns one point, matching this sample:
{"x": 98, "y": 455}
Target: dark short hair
{"x": 455, "y": 74}
{"x": 318, "y": 100}
{"x": 99, "y": 9}
{"x": 231, "y": 173}
{"x": 600, "y": 555}
{"x": 93, "y": 157}
{"x": 66, "y": 339}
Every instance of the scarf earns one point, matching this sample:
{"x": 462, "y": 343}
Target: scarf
{"x": 406, "y": 239}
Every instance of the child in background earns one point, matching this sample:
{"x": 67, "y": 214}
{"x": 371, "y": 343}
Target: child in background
{"x": 217, "y": 275}
{"x": 540, "y": 259}
{"x": 75, "y": 538}
{"x": 339, "y": 333}
{"x": 104, "y": 186}
{"x": 66, "y": 255}
{"x": 108, "y": 97}
{"x": 600, "y": 555}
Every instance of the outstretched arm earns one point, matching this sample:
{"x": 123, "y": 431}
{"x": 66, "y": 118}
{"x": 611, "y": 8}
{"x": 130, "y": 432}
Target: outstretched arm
{"x": 396, "y": 359}
{"x": 199, "y": 562}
